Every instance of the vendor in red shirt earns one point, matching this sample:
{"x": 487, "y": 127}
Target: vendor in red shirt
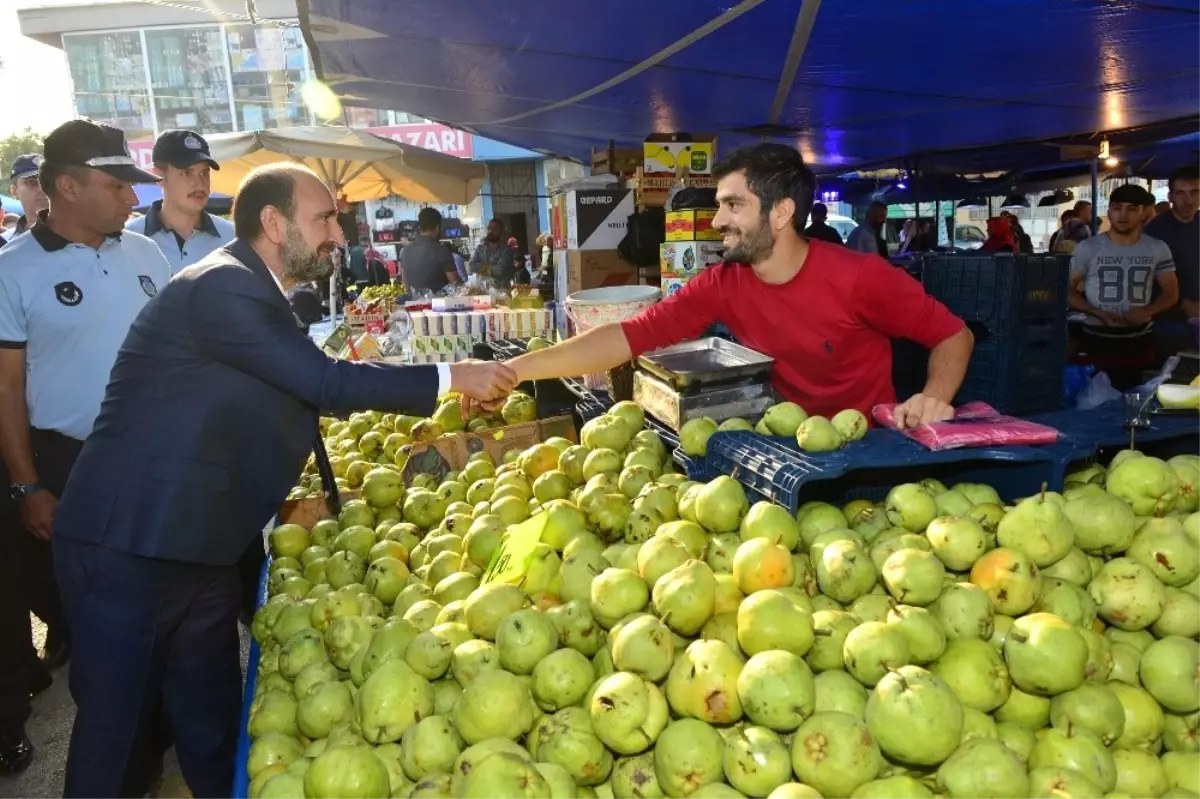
{"x": 824, "y": 313}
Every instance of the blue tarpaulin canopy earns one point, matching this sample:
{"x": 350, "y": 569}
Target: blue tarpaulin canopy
{"x": 849, "y": 82}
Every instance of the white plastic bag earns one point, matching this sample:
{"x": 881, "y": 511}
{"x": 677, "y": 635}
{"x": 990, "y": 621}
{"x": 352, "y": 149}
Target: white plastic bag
{"x": 1098, "y": 391}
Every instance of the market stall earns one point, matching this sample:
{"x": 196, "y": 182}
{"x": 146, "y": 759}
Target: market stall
{"x": 496, "y": 603}
{"x": 692, "y": 587}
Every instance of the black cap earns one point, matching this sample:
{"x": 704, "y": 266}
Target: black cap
{"x": 1130, "y": 193}
{"x": 82, "y": 142}
{"x": 25, "y": 166}
{"x": 181, "y": 149}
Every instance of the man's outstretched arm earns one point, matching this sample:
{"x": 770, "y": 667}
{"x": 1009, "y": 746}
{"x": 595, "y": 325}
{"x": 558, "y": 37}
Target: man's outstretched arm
{"x": 595, "y": 351}
{"x": 682, "y": 317}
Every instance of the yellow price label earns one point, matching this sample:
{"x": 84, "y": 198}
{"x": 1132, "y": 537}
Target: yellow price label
{"x": 512, "y": 557}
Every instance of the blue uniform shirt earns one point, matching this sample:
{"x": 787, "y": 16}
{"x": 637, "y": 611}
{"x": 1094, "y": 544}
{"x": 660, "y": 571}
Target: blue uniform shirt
{"x": 213, "y": 233}
{"x": 70, "y": 307}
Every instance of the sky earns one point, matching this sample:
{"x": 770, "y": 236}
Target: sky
{"x": 46, "y": 103}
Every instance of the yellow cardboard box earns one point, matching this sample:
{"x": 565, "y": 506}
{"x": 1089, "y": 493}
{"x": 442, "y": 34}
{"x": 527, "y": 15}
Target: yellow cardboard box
{"x": 691, "y": 225}
{"x": 671, "y": 153}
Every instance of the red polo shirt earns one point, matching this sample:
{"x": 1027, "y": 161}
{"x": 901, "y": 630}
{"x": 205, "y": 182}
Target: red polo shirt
{"x": 829, "y": 328}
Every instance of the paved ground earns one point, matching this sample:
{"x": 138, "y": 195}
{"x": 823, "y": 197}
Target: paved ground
{"x": 50, "y": 730}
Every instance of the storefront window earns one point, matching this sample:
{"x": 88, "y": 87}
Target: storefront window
{"x": 189, "y": 75}
{"x": 108, "y": 73}
{"x": 365, "y": 117}
{"x": 268, "y": 65}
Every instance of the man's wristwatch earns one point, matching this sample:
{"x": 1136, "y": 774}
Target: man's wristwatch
{"x": 19, "y": 491}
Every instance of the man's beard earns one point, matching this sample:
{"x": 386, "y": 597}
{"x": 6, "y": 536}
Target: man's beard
{"x": 300, "y": 264}
{"x": 754, "y": 246}
{"x": 493, "y": 237}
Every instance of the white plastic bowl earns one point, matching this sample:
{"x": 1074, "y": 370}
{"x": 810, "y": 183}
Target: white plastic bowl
{"x": 591, "y": 308}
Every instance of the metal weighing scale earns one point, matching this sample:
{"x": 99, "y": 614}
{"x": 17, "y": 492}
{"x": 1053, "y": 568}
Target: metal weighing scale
{"x": 707, "y": 377}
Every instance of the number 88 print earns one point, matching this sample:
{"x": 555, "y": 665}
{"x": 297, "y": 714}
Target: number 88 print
{"x": 1121, "y": 286}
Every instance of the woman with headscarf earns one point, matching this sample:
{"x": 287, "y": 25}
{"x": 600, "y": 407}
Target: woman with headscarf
{"x": 1074, "y": 230}
{"x": 1001, "y": 237}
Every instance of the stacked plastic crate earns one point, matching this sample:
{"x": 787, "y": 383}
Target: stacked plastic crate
{"x": 1016, "y": 305}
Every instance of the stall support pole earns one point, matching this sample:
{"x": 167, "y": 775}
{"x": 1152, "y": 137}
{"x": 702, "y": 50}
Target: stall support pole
{"x": 1095, "y": 222}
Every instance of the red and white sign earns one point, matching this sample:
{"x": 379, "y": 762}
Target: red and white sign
{"x": 142, "y": 152}
{"x": 427, "y": 135}
{"x": 430, "y": 136}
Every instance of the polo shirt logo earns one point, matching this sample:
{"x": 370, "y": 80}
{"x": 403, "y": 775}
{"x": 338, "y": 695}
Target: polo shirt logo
{"x": 68, "y": 294}
{"x": 148, "y": 285}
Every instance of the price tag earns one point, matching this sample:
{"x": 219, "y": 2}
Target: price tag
{"x": 511, "y": 559}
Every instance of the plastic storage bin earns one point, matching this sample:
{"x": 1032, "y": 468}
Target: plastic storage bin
{"x": 241, "y": 780}
{"x": 775, "y": 469}
{"x": 1016, "y": 306}
{"x": 1001, "y": 295}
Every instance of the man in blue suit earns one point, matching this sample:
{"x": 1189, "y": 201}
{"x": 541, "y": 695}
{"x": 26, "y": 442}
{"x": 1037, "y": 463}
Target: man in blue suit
{"x": 210, "y": 414}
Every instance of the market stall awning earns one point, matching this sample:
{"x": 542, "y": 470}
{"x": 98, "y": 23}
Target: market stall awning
{"x": 354, "y": 163}
{"x": 861, "y": 82}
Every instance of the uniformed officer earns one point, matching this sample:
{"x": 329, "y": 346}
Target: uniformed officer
{"x": 25, "y": 189}
{"x": 69, "y": 290}
{"x": 178, "y": 223}
{"x": 22, "y": 674}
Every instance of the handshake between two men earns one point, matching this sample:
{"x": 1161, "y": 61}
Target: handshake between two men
{"x": 482, "y": 384}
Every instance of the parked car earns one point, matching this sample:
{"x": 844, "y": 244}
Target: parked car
{"x": 969, "y": 237}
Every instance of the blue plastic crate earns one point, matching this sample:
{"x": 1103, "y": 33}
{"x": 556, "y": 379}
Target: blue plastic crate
{"x": 1020, "y": 374}
{"x": 241, "y": 780}
{"x": 1000, "y": 294}
{"x": 695, "y": 468}
{"x": 776, "y": 470}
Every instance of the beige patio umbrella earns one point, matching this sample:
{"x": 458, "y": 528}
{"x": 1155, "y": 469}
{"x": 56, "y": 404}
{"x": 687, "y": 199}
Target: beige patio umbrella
{"x": 353, "y": 163}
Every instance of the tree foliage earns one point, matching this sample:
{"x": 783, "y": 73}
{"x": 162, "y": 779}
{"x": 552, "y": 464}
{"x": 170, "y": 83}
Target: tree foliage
{"x": 16, "y": 144}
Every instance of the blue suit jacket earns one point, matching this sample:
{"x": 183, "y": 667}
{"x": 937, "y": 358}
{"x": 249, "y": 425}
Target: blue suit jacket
{"x": 210, "y": 414}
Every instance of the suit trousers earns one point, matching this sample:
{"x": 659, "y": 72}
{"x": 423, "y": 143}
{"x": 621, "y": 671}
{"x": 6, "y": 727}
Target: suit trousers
{"x": 27, "y": 581}
{"x": 149, "y": 637}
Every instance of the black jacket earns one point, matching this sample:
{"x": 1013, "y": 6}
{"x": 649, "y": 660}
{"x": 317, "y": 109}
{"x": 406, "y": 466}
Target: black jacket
{"x": 210, "y": 414}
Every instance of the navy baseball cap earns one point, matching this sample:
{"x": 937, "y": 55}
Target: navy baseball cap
{"x": 26, "y": 166}
{"x": 181, "y": 149}
{"x": 82, "y": 142}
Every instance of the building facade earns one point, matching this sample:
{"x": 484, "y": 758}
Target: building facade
{"x": 146, "y": 68}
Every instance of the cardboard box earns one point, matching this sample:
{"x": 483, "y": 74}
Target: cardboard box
{"x": 691, "y": 225}
{"x": 450, "y": 453}
{"x": 669, "y": 153}
{"x": 593, "y": 269}
{"x": 307, "y": 512}
{"x": 361, "y": 320}
{"x": 673, "y": 285}
{"x": 594, "y": 219}
{"x": 616, "y": 161}
{"x": 687, "y": 258}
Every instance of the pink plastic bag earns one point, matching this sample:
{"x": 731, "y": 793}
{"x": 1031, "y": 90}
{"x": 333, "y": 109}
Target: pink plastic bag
{"x": 975, "y": 424}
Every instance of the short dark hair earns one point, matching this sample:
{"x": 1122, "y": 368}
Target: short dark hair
{"x": 819, "y": 210}
{"x": 271, "y": 185}
{"x": 495, "y": 220}
{"x": 774, "y": 173}
{"x": 1190, "y": 172}
{"x": 1070, "y": 213}
{"x": 49, "y": 172}
{"x": 429, "y": 219}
